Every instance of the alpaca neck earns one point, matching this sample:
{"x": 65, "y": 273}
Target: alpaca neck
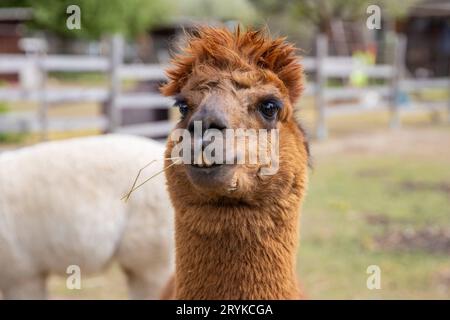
{"x": 253, "y": 257}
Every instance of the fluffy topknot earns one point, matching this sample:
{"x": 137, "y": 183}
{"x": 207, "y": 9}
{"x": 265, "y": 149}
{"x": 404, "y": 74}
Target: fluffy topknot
{"x": 219, "y": 48}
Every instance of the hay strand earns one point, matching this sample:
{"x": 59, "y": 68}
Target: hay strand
{"x": 127, "y": 196}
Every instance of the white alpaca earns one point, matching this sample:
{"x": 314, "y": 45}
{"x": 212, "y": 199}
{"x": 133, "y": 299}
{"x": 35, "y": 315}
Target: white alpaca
{"x": 60, "y": 205}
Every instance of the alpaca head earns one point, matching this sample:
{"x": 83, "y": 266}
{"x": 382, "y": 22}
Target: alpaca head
{"x": 238, "y": 80}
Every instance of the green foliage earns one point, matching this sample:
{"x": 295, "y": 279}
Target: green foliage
{"x": 14, "y": 3}
{"x": 98, "y": 17}
{"x": 131, "y": 17}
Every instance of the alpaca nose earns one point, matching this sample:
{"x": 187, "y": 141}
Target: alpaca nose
{"x": 210, "y": 119}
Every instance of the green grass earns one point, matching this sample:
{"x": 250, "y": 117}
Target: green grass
{"x": 110, "y": 284}
{"x": 338, "y": 243}
{"x": 87, "y": 79}
{"x": 84, "y": 78}
{"x": 3, "y": 108}
{"x": 11, "y": 138}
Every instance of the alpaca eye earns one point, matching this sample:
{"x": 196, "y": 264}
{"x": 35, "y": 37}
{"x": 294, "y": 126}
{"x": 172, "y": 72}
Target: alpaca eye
{"x": 269, "y": 109}
{"x": 182, "y": 107}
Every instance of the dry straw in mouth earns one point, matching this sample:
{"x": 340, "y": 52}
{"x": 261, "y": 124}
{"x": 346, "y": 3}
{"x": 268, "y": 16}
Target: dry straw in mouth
{"x": 127, "y": 196}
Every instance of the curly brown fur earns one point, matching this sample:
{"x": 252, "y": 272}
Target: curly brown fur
{"x": 239, "y": 244}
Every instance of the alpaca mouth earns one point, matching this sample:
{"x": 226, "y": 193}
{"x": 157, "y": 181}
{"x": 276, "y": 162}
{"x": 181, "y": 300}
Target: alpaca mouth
{"x": 207, "y": 176}
{"x": 209, "y": 169}
{"x": 207, "y": 166}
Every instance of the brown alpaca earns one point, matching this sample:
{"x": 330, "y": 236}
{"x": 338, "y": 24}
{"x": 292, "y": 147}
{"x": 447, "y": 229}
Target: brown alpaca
{"x": 236, "y": 231}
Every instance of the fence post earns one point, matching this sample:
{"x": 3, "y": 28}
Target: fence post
{"x": 43, "y": 102}
{"x": 448, "y": 101}
{"x": 116, "y": 59}
{"x": 398, "y": 70}
{"x": 321, "y": 53}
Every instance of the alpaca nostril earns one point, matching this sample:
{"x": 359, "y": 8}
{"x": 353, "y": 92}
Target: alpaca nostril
{"x": 217, "y": 124}
{"x": 191, "y": 126}
{"x": 208, "y": 120}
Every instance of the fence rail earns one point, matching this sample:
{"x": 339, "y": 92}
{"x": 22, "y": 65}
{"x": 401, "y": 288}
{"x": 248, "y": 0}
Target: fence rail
{"x": 323, "y": 66}
{"x": 344, "y": 67}
{"x": 27, "y": 122}
{"x": 142, "y": 72}
{"x": 46, "y": 96}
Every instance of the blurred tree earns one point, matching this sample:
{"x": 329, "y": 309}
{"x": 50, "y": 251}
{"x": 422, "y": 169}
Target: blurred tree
{"x": 326, "y": 16}
{"x": 322, "y": 12}
{"x": 241, "y": 10}
{"x": 98, "y": 17}
{"x": 14, "y": 3}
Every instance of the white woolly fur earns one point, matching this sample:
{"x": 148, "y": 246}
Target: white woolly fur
{"x": 60, "y": 205}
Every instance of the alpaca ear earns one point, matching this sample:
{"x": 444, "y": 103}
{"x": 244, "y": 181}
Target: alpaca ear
{"x": 182, "y": 67}
{"x": 292, "y": 76}
{"x": 282, "y": 59}
{"x": 189, "y": 49}
{"x": 276, "y": 55}
{"x": 169, "y": 89}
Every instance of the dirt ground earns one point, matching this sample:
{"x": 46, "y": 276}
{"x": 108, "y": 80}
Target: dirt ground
{"x": 417, "y": 142}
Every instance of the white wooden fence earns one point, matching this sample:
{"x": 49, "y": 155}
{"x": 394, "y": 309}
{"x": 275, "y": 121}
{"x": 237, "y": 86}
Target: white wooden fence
{"x": 47, "y": 96}
{"x": 323, "y": 66}
{"x": 395, "y": 82}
